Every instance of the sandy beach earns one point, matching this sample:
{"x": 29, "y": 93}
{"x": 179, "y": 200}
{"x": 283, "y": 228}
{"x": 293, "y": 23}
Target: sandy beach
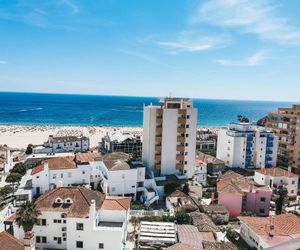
{"x": 19, "y": 136}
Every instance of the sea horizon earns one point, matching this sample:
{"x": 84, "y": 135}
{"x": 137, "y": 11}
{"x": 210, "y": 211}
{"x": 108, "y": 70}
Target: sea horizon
{"x": 50, "y": 109}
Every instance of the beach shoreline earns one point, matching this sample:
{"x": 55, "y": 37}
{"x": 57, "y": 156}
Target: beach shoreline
{"x": 19, "y": 136}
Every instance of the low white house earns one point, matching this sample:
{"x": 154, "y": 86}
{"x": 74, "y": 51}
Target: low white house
{"x": 83, "y": 168}
{"x": 5, "y": 159}
{"x": 278, "y": 177}
{"x": 200, "y": 170}
{"x": 64, "y": 141}
{"x": 120, "y": 176}
{"x": 79, "y": 218}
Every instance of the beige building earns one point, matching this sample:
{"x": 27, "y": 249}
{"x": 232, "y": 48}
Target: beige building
{"x": 169, "y": 137}
{"x": 286, "y": 124}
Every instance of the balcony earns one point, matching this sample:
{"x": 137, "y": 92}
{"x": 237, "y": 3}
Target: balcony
{"x": 181, "y": 130}
{"x": 158, "y": 138}
{"x": 180, "y": 148}
{"x": 158, "y": 148}
{"x": 157, "y": 166}
{"x": 179, "y": 157}
{"x": 159, "y": 121}
{"x": 158, "y": 130}
{"x": 159, "y": 111}
{"x": 270, "y": 145}
{"x": 181, "y": 121}
{"x": 248, "y": 152}
{"x": 269, "y": 152}
{"x": 181, "y": 139}
{"x": 182, "y": 111}
{"x": 179, "y": 166}
{"x": 157, "y": 157}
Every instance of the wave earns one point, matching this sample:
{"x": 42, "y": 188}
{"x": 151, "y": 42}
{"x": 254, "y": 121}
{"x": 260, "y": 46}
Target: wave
{"x": 29, "y": 110}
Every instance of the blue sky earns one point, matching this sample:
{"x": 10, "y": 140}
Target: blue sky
{"x": 222, "y": 49}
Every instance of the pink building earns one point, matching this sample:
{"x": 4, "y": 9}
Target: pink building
{"x": 238, "y": 194}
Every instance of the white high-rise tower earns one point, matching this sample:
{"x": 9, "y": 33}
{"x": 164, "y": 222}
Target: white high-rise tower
{"x": 169, "y": 137}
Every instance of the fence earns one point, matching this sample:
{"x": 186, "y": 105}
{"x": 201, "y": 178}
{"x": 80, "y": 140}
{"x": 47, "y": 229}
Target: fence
{"x": 142, "y": 213}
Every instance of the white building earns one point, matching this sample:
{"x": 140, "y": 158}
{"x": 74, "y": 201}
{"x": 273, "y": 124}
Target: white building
{"x": 274, "y": 232}
{"x": 169, "y": 137}
{"x": 247, "y": 146}
{"x": 123, "y": 177}
{"x": 278, "y": 177}
{"x": 64, "y": 141}
{"x": 5, "y": 159}
{"x": 83, "y": 168}
{"x": 79, "y": 218}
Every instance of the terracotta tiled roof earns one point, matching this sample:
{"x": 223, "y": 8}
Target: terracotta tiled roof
{"x": 180, "y": 246}
{"x": 203, "y": 222}
{"x": 276, "y": 172}
{"x": 286, "y": 227}
{"x": 3, "y": 148}
{"x": 116, "y": 161}
{"x": 218, "y": 246}
{"x": 178, "y": 194}
{"x": 80, "y": 196}
{"x": 56, "y": 163}
{"x": 189, "y": 235}
{"x": 234, "y": 183}
{"x": 215, "y": 208}
{"x": 88, "y": 157}
{"x": 8, "y": 241}
{"x": 208, "y": 159}
{"x": 116, "y": 203}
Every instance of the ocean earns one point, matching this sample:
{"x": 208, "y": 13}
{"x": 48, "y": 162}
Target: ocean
{"x": 92, "y": 110}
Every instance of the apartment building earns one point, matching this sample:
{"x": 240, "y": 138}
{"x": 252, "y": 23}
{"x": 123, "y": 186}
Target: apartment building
{"x": 79, "y": 218}
{"x": 276, "y": 178}
{"x": 274, "y": 232}
{"x": 169, "y": 137}
{"x": 246, "y": 145}
{"x": 285, "y": 122}
{"x": 237, "y": 193}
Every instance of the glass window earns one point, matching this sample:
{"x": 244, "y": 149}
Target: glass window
{"x": 79, "y": 244}
{"x": 79, "y": 226}
{"x": 101, "y": 246}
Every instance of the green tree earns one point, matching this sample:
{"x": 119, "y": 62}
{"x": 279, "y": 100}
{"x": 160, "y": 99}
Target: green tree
{"x": 186, "y": 189}
{"x": 13, "y": 178}
{"x": 280, "y": 201}
{"x": 182, "y": 218}
{"x": 19, "y": 168}
{"x": 6, "y": 190}
{"x": 29, "y": 149}
{"x": 27, "y": 216}
{"x": 171, "y": 187}
{"x": 134, "y": 221}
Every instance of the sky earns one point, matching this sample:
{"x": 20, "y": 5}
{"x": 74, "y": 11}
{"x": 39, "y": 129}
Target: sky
{"x": 220, "y": 49}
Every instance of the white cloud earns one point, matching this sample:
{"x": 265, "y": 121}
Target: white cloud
{"x": 253, "y": 60}
{"x": 71, "y": 5}
{"x": 251, "y": 16}
{"x": 143, "y": 56}
{"x": 192, "y": 41}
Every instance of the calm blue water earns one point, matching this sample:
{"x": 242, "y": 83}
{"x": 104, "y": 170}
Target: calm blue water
{"x": 59, "y": 109}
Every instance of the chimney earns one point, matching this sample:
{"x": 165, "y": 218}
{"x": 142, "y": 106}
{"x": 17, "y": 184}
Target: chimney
{"x": 289, "y": 168}
{"x": 92, "y": 209}
{"x": 29, "y": 241}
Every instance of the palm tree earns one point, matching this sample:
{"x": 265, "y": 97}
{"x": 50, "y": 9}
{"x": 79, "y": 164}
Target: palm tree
{"x": 27, "y": 216}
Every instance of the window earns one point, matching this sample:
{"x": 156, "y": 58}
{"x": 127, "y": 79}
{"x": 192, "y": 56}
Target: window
{"x": 185, "y": 153}
{"x": 79, "y": 244}
{"x": 292, "y": 191}
{"x": 41, "y": 222}
{"x": 186, "y": 135}
{"x": 101, "y": 246}
{"x": 186, "y": 144}
{"x": 187, "y": 126}
{"x": 61, "y": 175}
{"x": 113, "y": 189}
{"x": 38, "y": 239}
{"x": 54, "y": 176}
{"x": 263, "y": 199}
{"x": 83, "y": 172}
{"x": 188, "y": 117}
{"x": 133, "y": 186}
{"x": 293, "y": 182}
{"x": 79, "y": 226}
{"x": 262, "y": 210}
